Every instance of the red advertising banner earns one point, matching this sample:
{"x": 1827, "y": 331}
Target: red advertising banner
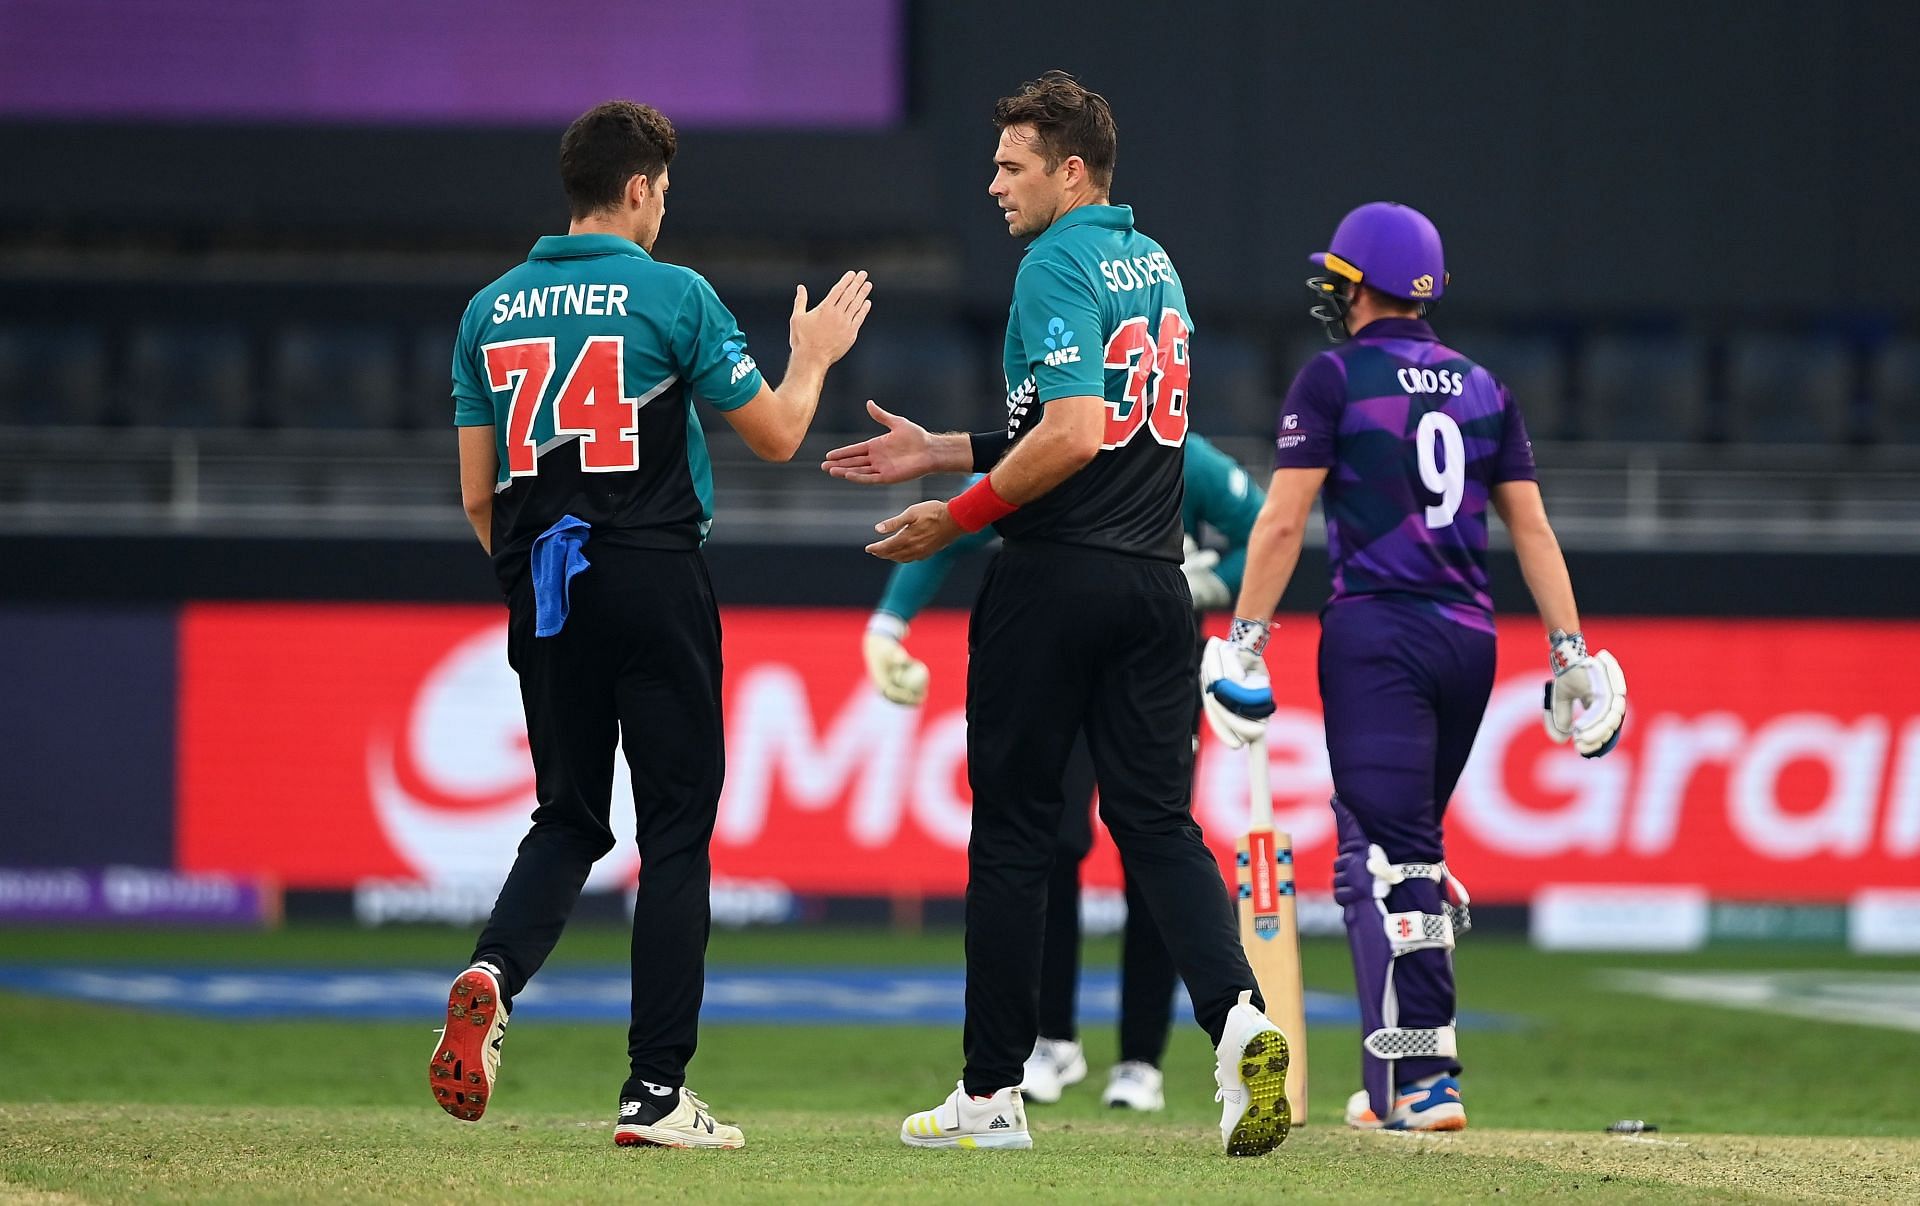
{"x": 322, "y": 745}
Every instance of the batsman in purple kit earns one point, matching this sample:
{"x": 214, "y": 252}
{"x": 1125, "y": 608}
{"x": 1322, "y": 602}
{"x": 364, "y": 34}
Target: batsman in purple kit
{"x": 1409, "y": 440}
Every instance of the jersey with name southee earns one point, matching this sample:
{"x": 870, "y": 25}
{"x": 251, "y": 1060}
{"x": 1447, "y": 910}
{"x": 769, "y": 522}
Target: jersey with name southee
{"x": 586, "y": 359}
{"x": 1098, "y": 311}
{"x": 1414, "y": 436}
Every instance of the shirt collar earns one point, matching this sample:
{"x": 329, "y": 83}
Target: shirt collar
{"x": 1397, "y": 328}
{"x": 1113, "y": 217}
{"x": 566, "y": 247}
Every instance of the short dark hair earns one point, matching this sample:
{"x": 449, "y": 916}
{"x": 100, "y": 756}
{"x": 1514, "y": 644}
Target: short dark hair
{"x": 609, "y": 145}
{"x": 1068, "y": 118}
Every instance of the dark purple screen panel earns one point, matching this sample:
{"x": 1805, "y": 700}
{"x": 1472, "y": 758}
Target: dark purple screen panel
{"x": 821, "y": 63}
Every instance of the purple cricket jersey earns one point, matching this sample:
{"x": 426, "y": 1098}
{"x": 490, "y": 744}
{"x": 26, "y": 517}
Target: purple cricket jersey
{"x": 1414, "y": 435}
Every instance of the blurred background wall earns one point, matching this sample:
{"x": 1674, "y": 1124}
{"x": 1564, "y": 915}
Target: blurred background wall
{"x": 235, "y": 241}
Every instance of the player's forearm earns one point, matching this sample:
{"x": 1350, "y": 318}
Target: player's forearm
{"x": 480, "y": 515}
{"x": 799, "y": 397}
{"x": 952, "y": 452}
{"x": 1065, "y": 442}
{"x": 1036, "y": 466}
{"x": 1545, "y": 569}
{"x": 1272, "y": 554}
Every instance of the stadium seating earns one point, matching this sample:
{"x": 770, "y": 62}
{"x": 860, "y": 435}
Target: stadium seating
{"x": 187, "y": 376}
{"x": 1756, "y": 386}
{"x": 346, "y": 376}
{"x": 1649, "y": 388}
{"x": 1784, "y": 389}
{"x": 52, "y": 376}
{"x": 1894, "y": 386}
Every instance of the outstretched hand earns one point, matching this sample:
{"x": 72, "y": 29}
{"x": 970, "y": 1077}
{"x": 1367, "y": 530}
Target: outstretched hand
{"x": 829, "y": 329}
{"x": 900, "y": 454}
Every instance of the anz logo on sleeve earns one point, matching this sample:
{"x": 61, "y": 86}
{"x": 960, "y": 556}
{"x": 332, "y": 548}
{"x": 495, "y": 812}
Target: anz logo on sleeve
{"x": 1061, "y": 348}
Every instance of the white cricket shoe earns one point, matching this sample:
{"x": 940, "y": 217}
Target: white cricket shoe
{"x": 690, "y": 1123}
{"x": 1251, "y": 1069}
{"x": 963, "y": 1120}
{"x": 1432, "y": 1103}
{"x": 466, "y": 1059}
{"x": 1054, "y": 1066}
{"x": 1134, "y": 1085}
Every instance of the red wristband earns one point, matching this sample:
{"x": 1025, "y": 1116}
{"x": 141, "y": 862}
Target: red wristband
{"x": 979, "y": 505}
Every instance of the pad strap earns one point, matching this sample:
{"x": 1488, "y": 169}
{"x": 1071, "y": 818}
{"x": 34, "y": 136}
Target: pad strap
{"x": 1387, "y": 875}
{"x": 1399, "y": 1042}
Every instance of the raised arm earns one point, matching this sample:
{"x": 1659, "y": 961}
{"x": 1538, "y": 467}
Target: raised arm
{"x": 774, "y": 421}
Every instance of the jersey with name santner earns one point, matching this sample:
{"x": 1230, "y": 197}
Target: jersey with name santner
{"x": 586, "y": 359}
{"x": 1098, "y": 310}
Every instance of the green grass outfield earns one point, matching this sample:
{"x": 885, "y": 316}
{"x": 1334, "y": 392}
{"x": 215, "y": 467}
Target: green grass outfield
{"x": 108, "y": 1104}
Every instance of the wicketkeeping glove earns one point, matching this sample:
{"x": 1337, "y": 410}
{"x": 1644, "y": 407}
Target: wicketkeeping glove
{"x": 1210, "y": 592}
{"x": 1595, "y": 683}
{"x": 1234, "y": 686}
{"x": 899, "y": 675}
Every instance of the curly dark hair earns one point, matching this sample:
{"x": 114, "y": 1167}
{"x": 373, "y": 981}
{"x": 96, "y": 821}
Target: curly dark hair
{"x": 1068, "y": 119}
{"x": 609, "y": 145}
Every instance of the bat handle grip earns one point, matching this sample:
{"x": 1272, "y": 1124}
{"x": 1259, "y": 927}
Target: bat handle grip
{"x": 1259, "y": 792}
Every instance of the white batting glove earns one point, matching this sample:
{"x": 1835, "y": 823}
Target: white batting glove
{"x": 1595, "y": 683}
{"x": 1234, "y": 687}
{"x": 1209, "y": 589}
{"x": 900, "y": 676}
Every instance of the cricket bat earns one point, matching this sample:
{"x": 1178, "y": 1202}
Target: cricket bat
{"x": 1269, "y": 930}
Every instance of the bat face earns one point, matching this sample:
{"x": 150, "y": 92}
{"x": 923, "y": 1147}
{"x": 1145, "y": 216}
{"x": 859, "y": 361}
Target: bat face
{"x": 1263, "y": 874}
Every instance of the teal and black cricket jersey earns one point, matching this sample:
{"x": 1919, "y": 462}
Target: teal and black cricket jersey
{"x": 1098, "y": 310}
{"x": 587, "y": 359}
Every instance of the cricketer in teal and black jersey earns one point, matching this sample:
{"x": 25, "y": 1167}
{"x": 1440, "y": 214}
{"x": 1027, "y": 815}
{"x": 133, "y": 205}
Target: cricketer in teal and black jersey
{"x": 1220, "y": 502}
{"x": 583, "y": 471}
{"x": 1084, "y": 622}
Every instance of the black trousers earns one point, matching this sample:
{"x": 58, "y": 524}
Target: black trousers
{"x": 1063, "y": 640}
{"x": 1146, "y": 969}
{"x": 638, "y": 662}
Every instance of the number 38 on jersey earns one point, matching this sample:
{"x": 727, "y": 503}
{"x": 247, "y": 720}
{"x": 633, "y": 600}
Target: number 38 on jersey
{"x": 1155, "y": 395}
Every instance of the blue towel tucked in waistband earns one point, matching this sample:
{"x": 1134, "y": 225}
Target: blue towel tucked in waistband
{"x": 556, "y": 559}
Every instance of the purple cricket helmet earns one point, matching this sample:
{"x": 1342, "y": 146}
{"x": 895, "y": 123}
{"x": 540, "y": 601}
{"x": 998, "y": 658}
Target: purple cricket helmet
{"x": 1389, "y": 247}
